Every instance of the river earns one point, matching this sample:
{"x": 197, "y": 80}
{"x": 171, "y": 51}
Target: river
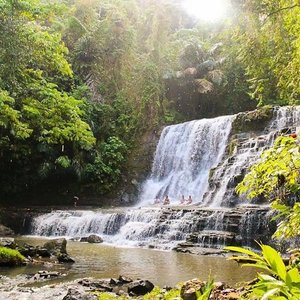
{"x": 160, "y": 267}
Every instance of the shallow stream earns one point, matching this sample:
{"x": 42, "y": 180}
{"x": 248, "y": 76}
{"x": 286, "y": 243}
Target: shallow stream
{"x": 160, "y": 267}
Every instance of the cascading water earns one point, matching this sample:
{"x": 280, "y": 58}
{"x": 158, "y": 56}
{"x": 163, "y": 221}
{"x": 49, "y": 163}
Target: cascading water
{"x": 191, "y": 159}
{"x": 136, "y": 227}
{"x": 247, "y": 150}
{"x": 184, "y": 156}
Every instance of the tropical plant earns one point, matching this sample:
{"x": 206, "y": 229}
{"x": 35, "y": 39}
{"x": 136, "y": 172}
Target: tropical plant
{"x": 276, "y": 177}
{"x": 278, "y": 282}
{"x": 40, "y": 121}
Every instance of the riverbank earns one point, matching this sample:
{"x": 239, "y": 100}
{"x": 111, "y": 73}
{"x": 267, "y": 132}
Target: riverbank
{"x": 22, "y": 287}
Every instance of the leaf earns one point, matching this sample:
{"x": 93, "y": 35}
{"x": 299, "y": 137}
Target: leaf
{"x": 242, "y": 250}
{"x": 293, "y": 276}
{"x": 275, "y": 261}
{"x": 270, "y": 293}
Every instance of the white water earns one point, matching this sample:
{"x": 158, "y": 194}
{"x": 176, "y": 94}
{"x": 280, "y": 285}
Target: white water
{"x": 245, "y": 154}
{"x": 184, "y": 156}
{"x": 137, "y": 227}
{"x": 186, "y": 153}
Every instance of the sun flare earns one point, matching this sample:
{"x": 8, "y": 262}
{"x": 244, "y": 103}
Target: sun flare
{"x": 206, "y": 10}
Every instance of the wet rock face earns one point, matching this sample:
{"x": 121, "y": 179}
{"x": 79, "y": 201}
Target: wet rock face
{"x": 64, "y": 258}
{"x": 73, "y": 294}
{"x": 8, "y": 242}
{"x": 254, "y": 120}
{"x": 140, "y": 287}
{"x": 56, "y": 246}
{"x": 5, "y": 231}
{"x": 93, "y": 239}
{"x": 31, "y": 251}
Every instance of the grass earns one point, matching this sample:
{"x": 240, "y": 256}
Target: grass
{"x": 156, "y": 293}
{"x": 10, "y": 257}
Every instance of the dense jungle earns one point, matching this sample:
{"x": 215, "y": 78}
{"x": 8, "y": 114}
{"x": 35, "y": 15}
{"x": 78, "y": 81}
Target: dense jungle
{"x": 83, "y": 81}
{"x": 107, "y": 107}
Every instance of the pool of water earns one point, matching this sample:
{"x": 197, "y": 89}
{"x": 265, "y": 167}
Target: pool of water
{"x": 160, "y": 267}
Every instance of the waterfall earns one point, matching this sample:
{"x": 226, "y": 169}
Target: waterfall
{"x": 135, "y": 227}
{"x": 192, "y": 158}
{"x": 184, "y": 156}
{"x": 247, "y": 150}
{"x": 162, "y": 228}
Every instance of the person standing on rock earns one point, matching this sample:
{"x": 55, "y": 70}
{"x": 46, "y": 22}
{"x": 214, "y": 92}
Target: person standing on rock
{"x": 75, "y": 199}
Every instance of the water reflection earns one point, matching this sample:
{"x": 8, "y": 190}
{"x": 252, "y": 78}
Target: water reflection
{"x": 160, "y": 267}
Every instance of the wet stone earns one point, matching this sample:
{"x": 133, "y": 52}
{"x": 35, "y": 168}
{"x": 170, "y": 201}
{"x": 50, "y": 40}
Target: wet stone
{"x": 140, "y": 287}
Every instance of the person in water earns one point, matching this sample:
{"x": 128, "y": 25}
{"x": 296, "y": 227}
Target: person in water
{"x": 166, "y": 200}
{"x": 75, "y": 199}
{"x": 157, "y": 200}
{"x": 182, "y": 200}
{"x": 189, "y": 200}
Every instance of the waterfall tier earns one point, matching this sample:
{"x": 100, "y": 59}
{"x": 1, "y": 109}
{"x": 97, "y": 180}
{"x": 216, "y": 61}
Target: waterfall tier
{"x": 207, "y": 158}
{"x": 163, "y": 228}
{"x": 183, "y": 159}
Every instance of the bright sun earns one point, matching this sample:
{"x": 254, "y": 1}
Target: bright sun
{"x": 206, "y": 10}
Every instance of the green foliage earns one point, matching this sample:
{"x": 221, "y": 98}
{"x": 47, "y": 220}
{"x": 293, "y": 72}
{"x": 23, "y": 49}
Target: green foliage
{"x": 136, "y": 66}
{"x": 10, "y": 118}
{"x": 279, "y": 282}
{"x": 205, "y": 292}
{"x": 277, "y": 177}
{"x": 105, "y": 167}
{"x": 269, "y": 46}
{"x": 107, "y": 296}
{"x": 10, "y": 257}
{"x": 38, "y": 116}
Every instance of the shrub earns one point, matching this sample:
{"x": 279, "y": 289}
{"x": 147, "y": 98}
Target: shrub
{"x": 279, "y": 282}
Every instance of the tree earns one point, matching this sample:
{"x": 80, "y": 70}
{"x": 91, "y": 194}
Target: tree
{"x": 276, "y": 177}
{"x": 269, "y": 43}
{"x": 39, "y": 119}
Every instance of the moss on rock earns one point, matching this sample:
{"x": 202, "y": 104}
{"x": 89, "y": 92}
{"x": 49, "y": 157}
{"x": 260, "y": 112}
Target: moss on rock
{"x": 11, "y": 257}
{"x": 253, "y": 120}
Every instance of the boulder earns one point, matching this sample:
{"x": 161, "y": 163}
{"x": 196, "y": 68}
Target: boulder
{"x": 98, "y": 285}
{"x": 64, "y": 258}
{"x": 5, "y": 231}
{"x": 124, "y": 279}
{"x": 93, "y": 239}
{"x": 31, "y": 251}
{"x": 8, "y": 242}
{"x": 73, "y": 294}
{"x": 140, "y": 287}
{"x": 56, "y": 246}
{"x": 190, "y": 288}
{"x": 40, "y": 275}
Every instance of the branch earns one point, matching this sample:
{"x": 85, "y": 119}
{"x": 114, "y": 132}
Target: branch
{"x": 281, "y": 9}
